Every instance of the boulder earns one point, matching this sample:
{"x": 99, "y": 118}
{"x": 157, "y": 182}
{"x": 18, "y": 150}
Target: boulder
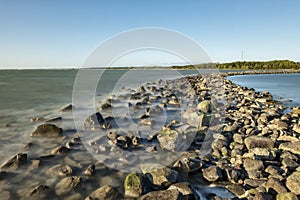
{"x": 90, "y": 170}
{"x": 192, "y": 118}
{"x": 293, "y": 147}
{"x": 263, "y": 153}
{"x": 263, "y": 196}
{"x": 15, "y": 162}
{"x": 162, "y": 195}
{"x": 296, "y": 128}
{"x": 66, "y": 184}
{"x": 204, "y": 106}
{"x": 272, "y": 170}
{"x": 133, "y": 185}
{"x": 231, "y": 128}
{"x": 238, "y": 138}
{"x": 105, "y": 106}
{"x": 169, "y": 139}
{"x": 286, "y": 196}
{"x": 276, "y": 185}
{"x": 256, "y": 165}
{"x": 60, "y": 150}
{"x": 66, "y": 108}
{"x": 281, "y": 125}
{"x": 106, "y": 192}
{"x": 184, "y": 189}
{"x": 258, "y": 142}
{"x": 38, "y": 192}
{"x": 94, "y": 121}
{"x": 235, "y": 189}
{"x": 293, "y": 182}
{"x": 254, "y": 168}
{"x": 189, "y": 163}
{"x": 60, "y": 170}
{"x": 47, "y": 130}
{"x": 233, "y": 175}
{"x": 212, "y": 173}
{"x": 123, "y": 142}
{"x": 158, "y": 175}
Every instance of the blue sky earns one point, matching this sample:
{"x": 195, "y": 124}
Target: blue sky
{"x": 59, "y": 33}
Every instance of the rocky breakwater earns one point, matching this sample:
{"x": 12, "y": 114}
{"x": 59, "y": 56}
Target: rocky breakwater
{"x": 194, "y": 132}
{"x": 256, "y": 154}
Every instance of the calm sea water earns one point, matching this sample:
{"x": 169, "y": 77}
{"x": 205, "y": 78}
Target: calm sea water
{"x": 281, "y": 86}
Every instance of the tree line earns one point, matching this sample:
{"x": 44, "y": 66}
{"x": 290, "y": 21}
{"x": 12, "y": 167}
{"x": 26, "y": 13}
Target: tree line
{"x": 246, "y": 65}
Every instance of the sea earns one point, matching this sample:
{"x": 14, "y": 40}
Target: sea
{"x": 283, "y": 87}
{"x": 29, "y": 97}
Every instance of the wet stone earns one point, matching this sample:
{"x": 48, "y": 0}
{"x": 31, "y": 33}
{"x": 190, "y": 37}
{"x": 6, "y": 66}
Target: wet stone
{"x": 38, "y": 192}
{"x": 106, "y": 192}
{"x": 159, "y": 176}
{"x": 60, "y": 170}
{"x": 66, "y": 184}
{"x": 47, "y": 130}
{"x": 162, "y": 195}
{"x": 60, "y": 150}
{"x": 212, "y": 173}
{"x": 90, "y": 170}
{"x": 15, "y": 162}
{"x": 94, "y": 121}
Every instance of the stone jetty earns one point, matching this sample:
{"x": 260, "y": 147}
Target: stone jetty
{"x": 192, "y": 132}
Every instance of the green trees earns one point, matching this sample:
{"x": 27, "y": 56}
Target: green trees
{"x": 251, "y": 65}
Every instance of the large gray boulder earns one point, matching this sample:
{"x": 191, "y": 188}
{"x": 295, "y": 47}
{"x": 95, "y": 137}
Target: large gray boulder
{"x": 169, "y": 139}
{"x": 158, "y": 175}
{"x": 259, "y": 142}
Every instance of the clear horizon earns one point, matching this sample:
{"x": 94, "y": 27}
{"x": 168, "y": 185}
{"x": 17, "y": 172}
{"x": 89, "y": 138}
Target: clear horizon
{"x": 60, "y": 34}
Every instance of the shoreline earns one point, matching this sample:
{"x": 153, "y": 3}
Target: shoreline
{"x": 253, "y": 149}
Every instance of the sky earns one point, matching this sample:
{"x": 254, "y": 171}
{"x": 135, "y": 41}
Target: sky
{"x": 58, "y": 33}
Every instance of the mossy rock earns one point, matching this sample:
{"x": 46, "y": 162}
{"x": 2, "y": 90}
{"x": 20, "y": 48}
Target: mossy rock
{"x": 204, "y": 106}
{"x": 133, "y": 185}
